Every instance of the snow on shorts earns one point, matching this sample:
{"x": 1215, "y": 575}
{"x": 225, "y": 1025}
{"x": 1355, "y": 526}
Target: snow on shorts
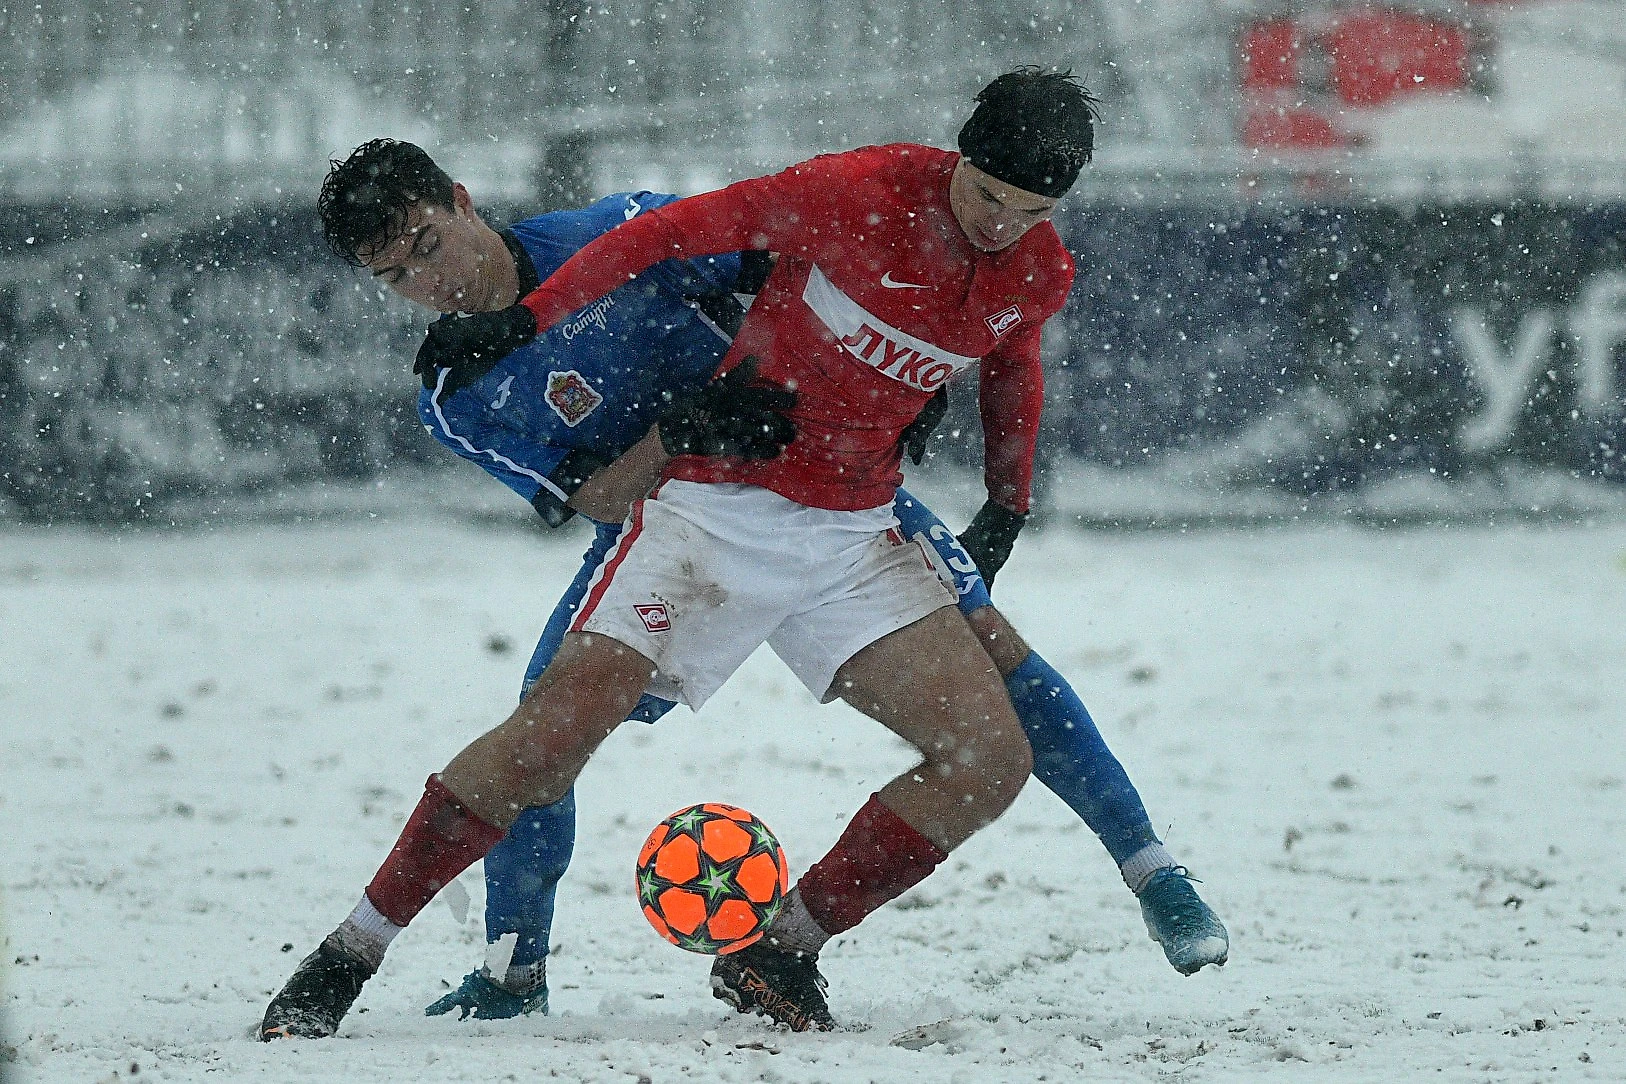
{"x": 704, "y": 573}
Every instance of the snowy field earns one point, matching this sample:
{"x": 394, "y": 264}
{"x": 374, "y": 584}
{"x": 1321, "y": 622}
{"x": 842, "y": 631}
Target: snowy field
{"x": 1395, "y": 760}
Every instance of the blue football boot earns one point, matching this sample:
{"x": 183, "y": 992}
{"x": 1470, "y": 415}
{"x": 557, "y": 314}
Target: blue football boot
{"x": 482, "y": 999}
{"x": 1190, "y": 932}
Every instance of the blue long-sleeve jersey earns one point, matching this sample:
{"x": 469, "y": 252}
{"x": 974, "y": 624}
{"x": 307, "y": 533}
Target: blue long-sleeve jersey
{"x": 595, "y": 382}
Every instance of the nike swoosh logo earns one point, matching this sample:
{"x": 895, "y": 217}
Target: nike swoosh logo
{"x": 893, "y": 284}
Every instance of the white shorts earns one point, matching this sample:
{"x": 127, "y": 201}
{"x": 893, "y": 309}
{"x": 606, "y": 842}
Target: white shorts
{"x": 704, "y": 573}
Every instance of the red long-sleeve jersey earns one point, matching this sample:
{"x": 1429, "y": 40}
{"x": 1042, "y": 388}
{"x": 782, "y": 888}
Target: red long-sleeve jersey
{"x": 876, "y": 301}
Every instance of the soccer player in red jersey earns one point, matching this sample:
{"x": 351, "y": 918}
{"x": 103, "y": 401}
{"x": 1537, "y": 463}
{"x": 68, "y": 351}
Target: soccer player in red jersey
{"x": 898, "y": 268}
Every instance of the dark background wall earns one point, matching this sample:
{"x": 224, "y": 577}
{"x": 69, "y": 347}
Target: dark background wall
{"x": 151, "y": 358}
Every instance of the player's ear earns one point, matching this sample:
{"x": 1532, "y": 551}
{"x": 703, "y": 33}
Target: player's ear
{"x": 462, "y": 202}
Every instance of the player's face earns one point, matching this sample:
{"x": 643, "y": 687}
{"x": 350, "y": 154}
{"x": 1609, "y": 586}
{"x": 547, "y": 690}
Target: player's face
{"x": 436, "y": 262}
{"x": 993, "y": 214}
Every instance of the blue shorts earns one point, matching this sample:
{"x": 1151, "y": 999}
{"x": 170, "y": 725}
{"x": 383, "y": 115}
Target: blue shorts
{"x": 915, "y": 520}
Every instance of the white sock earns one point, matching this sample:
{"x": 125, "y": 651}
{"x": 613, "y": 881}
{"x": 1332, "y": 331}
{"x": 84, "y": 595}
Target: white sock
{"x": 1139, "y": 867}
{"x": 793, "y": 927}
{"x": 366, "y": 934}
{"x": 520, "y": 979}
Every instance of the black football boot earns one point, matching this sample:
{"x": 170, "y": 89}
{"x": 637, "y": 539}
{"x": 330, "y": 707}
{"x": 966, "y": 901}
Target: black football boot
{"x": 776, "y": 983}
{"x": 318, "y": 994}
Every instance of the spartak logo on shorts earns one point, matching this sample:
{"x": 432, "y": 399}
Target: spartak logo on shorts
{"x": 571, "y": 396}
{"x": 654, "y": 617}
{"x": 1001, "y": 322}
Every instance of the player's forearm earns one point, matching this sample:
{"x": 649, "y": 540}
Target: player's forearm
{"x": 607, "y": 494}
{"x": 1011, "y": 399}
{"x": 705, "y": 225}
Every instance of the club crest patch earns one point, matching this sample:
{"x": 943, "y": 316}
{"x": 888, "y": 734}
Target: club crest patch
{"x": 1001, "y": 322}
{"x": 571, "y": 396}
{"x": 654, "y": 617}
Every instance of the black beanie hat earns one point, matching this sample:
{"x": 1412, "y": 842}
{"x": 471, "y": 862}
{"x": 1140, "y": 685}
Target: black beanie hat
{"x": 1032, "y": 129}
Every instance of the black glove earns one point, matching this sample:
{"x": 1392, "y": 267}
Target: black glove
{"x": 990, "y": 537}
{"x": 919, "y": 431}
{"x": 470, "y": 345}
{"x": 730, "y": 416}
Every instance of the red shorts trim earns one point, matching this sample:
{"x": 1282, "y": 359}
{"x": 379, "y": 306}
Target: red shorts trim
{"x": 635, "y": 527}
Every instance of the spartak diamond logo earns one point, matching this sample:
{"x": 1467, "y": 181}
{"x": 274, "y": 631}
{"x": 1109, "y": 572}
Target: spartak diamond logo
{"x": 654, "y": 617}
{"x": 1001, "y": 322}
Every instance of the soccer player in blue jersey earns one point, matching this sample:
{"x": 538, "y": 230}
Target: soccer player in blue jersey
{"x": 566, "y": 423}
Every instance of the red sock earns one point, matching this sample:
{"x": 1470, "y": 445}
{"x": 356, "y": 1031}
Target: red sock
{"x": 441, "y": 839}
{"x": 878, "y": 858}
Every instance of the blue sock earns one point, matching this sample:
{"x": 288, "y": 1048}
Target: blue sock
{"x": 522, "y": 877}
{"x": 1071, "y": 759}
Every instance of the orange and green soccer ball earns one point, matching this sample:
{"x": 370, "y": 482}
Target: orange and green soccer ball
{"x": 711, "y": 877}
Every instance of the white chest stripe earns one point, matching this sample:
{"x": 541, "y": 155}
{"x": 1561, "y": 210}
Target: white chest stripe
{"x": 874, "y": 342}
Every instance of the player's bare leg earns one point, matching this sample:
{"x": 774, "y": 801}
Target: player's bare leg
{"x": 932, "y": 685}
{"x": 929, "y": 684}
{"x": 999, "y": 638}
{"x": 532, "y": 758}
{"x": 1191, "y": 934}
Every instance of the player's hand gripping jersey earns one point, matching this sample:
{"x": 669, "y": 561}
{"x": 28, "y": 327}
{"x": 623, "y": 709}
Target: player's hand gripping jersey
{"x": 877, "y": 299}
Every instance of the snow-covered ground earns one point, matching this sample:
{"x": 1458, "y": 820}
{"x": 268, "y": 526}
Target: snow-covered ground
{"x": 1394, "y": 759}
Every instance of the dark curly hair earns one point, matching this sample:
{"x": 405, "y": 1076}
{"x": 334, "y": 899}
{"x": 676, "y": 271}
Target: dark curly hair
{"x": 365, "y": 198}
{"x": 1033, "y": 129}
